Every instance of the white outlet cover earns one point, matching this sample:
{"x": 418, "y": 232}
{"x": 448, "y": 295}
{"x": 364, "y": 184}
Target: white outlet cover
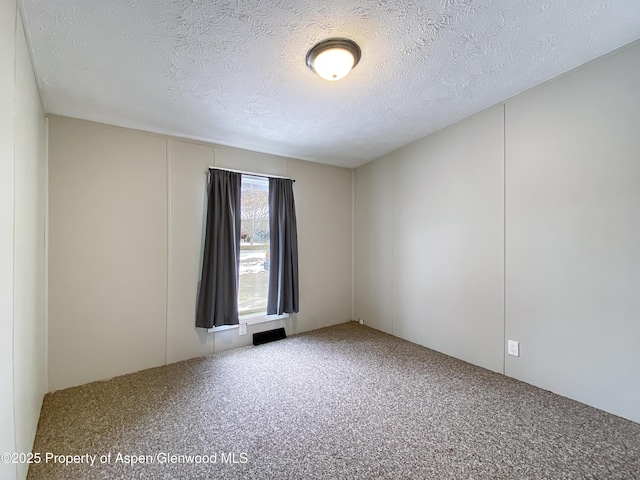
{"x": 513, "y": 348}
{"x": 243, "y": 329}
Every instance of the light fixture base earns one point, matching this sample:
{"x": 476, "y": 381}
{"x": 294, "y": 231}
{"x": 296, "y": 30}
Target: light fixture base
{"x": 343, "y": 44}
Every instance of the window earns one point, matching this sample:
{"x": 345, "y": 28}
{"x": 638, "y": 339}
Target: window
{"x": 238, "y": 216}
{"x": 254, "y": 245}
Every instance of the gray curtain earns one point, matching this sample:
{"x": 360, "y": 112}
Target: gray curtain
{"x": 218, "y": 292}
{"x": 283, "y": 271}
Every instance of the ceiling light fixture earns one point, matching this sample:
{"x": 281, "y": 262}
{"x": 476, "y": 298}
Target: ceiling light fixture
{"x": 334, "y": 58}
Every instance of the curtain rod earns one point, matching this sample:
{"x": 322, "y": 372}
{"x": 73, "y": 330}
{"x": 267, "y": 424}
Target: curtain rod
{"x": 250, "y": 173}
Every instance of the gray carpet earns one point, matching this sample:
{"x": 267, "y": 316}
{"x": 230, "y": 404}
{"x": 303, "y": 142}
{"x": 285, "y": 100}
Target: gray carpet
{"x": 344, "y": 402}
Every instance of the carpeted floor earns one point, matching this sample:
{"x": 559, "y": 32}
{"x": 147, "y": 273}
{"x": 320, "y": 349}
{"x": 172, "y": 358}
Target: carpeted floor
{"x": 344, "y": 402}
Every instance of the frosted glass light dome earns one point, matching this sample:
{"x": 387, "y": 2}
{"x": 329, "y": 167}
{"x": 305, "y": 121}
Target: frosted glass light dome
{"x": 334, "y": 63}
{"x": 334, "y": 58}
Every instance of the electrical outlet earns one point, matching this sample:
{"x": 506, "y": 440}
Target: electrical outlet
{"x": 243, "y": 329}
{"x": 513, "y": 348}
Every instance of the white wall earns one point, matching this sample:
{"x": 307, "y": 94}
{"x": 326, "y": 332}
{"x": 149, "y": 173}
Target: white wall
{"x": 7, "y": 186}
{"x": 29, "y": 257}
{"x": 573, "y": 235}
{"x": 22, "y": 243}
{"x": 126, "y": 224}
{"x": 188, "y": 164}
{"x": 440, "y": 246}
{"x": 565, "y": 205}
{"x": 373, "y": 249}
{"x": 324, "y": 215}
{"x": 107, "y": 252}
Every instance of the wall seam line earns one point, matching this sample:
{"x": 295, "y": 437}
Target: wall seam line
{"x": 353, "y": 244}
{"x": 504, "y": 238}
{"x": 393, "y": 251}
{"x": 46, "y": 256}
{"x": 168, "y": 287}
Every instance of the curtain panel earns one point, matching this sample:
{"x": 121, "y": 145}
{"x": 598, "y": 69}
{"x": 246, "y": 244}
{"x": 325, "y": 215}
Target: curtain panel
{"x": 283, "y": 275}
{"x": 217, "y": 302}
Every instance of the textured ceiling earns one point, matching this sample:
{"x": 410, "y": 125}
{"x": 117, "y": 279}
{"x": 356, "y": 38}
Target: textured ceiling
{"x": 233, "y": 71}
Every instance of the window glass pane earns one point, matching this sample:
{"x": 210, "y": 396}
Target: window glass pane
{"x": 254, "y": 245}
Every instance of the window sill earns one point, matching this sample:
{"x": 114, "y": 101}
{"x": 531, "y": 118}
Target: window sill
{"x": 250, "y": 319}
